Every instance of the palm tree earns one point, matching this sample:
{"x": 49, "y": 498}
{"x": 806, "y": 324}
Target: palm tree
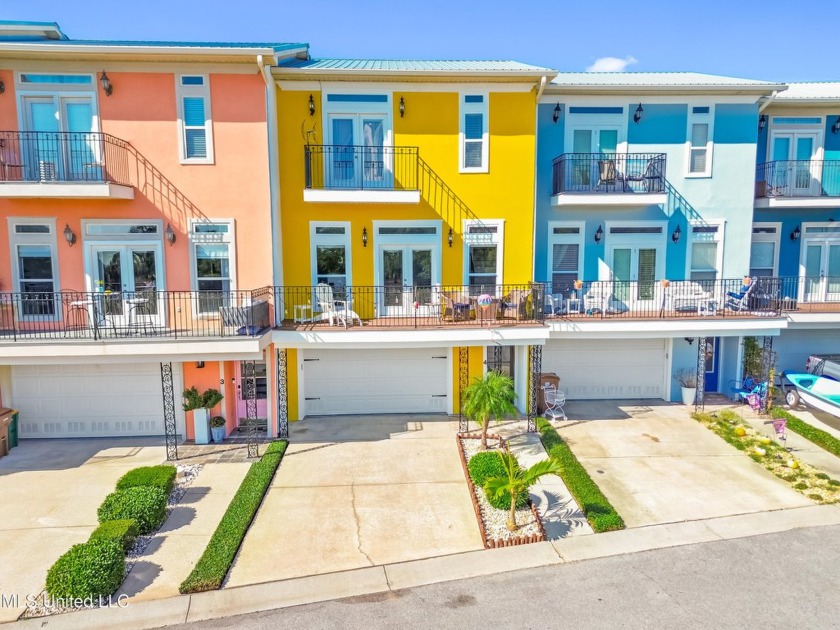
{"x": 517, "y": 481}
{"x": 489, "y": 397}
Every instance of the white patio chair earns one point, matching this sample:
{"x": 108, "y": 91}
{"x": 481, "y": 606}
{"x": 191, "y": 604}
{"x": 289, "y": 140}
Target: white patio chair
{"x": 332, "y": 309}
{"x": 554, "y": 401}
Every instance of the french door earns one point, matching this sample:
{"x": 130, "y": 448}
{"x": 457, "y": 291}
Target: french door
{"x": 407, "y": 278}
{"x": 65, "y": 148}
{"x": 243, "y": 372}
{"x": 358, "y": 157}
{"x": 795, "y": 172}
{"x": 586, "y": 144}
{"x": 822, "y": 271}
{"x": 126, "y": 276}
{"x": 634, "y": 273}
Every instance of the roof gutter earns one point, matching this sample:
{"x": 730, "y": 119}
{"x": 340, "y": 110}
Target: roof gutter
{"x": 768, "y": 100}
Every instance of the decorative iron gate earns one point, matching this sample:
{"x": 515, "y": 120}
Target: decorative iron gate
{"x": 249, "y": 369}
{"x": 463, "y": 383}
{"x": 535, "y": 353}
{"x": 282, "y": 395}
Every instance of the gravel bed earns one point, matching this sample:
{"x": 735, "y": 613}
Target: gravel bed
{"x": 495, "y": 521}
{"x": 42, "y": 606}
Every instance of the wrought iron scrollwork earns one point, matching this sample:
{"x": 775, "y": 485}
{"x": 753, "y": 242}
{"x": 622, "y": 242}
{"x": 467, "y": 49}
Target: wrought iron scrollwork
{"x": 700, "y": 396}
{"x": 463, "y": 383}
{"x": 282, "y": 395}
{"x": 250, "y": 375}
{"x": 169, "y": 426}
{"x": 534, "y": 385}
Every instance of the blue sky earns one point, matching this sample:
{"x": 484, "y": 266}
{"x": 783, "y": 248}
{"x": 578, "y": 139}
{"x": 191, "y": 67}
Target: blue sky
{"x": 730, "y": 37}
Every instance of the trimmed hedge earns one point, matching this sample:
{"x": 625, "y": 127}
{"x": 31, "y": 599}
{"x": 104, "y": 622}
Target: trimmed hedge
{"x": 598, "y": 510}
{"x": 486, "y": 465}
{"x": 144, "y": 504}
{"x": 821, "y": 438}
{"x": 215, "y": 562}
{"x": 125, "y": 531}
{"x": 162, "y": 477}
{"x": 90, "y": 570}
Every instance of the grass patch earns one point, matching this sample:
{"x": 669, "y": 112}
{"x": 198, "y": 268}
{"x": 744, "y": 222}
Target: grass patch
{"x": 819, "y": 437}
{"x": 806, "y": 479}
{"x": 598, "y": 510}
{"x": 215, "y": 562}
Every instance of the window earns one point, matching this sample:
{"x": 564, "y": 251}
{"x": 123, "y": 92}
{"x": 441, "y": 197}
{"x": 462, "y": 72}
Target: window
{"x": 473, "y": 156}
{"x": 565, "y": 261}
{"x": 331, "y": 256}
{"x": 483, "y": 255}
{"x": 196, "y": 144}
{"x": 34, "y": 267}
{"x": 700, "y": 142}
{"x": 213, "y": 264}
{"x": 704, "y": 263}
{"x": 764, "y": 253}
{"x": 260, "y": 374}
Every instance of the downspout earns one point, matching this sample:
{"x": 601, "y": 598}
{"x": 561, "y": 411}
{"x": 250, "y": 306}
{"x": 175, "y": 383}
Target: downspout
{"x": 273, "y": 173}
{"x": 540, "y": 90}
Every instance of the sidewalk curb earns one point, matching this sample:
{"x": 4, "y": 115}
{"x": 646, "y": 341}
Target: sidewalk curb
{"x": 390, "y": 577}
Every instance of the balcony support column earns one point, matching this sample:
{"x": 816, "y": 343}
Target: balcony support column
{"x": 169, "y": 426}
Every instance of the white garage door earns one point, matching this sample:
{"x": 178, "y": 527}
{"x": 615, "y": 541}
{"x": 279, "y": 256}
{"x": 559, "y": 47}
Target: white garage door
{"x": 375, "y": 381}
{"x": 604, "y": 369}
{"x": 88, "y": 400}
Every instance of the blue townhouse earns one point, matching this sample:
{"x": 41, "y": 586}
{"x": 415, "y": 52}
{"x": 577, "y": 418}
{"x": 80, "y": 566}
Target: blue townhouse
{"x": 796, "y": 222}
{"x": 645, "y": 195}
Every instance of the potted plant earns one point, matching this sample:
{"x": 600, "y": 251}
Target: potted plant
{"x": 200, "y": 405}
{"x": 688, "y": 381}
{"x": 217, "y": 428}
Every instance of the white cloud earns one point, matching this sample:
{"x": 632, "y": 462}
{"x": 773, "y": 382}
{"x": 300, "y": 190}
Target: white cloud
{"x": 612, "y": 64}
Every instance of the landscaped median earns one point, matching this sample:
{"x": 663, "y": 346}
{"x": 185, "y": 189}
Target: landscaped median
{"x": 810, "y": 481}
{"x": 598, "y": 510}
{"x": 215, "y": 562}
{"x": 821, "y": 438}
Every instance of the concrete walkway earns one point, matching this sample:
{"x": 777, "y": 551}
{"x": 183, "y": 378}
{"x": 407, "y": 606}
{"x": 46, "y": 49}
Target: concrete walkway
{"x": 50, "y": 492}
{"x": 360, "y": 491}
{"x": 658, "y": 465}
{"x": 178, "y": 545}
{"x": 386, "y": 581}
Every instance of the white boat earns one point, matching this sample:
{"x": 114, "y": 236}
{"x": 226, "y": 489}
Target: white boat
{"x": 815, "y": 391}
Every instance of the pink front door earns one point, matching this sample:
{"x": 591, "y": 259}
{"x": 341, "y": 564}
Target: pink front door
{"x": 241, "y": 390}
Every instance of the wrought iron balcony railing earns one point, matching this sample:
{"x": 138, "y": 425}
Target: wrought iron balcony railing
{"x": 427, "y": 306}
{"x": 63, "y": 157}
{"x": 346, "y": 167}
{"x": 798, "y": 178}
{"x": 609, "y": 173}
{"x": 142, "y": 314}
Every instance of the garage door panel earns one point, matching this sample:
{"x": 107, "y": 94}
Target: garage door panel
{"x": 88, "y": 400}
{"x": 340, "y": 382}
{"x": 607, "y": 369}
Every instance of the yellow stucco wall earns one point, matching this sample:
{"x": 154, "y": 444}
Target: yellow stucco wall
{"x": 476, "y": 370}
{"x": 431, "y": 123}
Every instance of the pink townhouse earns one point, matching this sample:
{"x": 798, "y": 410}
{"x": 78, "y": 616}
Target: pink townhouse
{"x": 136, "y": 235}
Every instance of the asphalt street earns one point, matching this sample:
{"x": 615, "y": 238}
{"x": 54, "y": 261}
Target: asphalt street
{"x": 787, "y": 580}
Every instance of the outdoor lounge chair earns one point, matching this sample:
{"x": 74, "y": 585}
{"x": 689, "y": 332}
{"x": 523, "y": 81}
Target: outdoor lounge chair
{"x": 456, "y": 307}
{"x": 245, "y": 320}
{"x": 336, "y": 311}
{"x": 515, "y": 304}
{"x": 740, "y": 300}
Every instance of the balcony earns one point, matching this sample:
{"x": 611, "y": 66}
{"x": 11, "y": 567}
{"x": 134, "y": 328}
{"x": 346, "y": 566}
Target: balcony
{"x": 609, "y": 179}
{"x": 42, "y": 315}
{"x": 36, "y": 164}
{"x": 798, "y": 184}
{"x": 408, "y": 307}
{"x": 361, "y": 174}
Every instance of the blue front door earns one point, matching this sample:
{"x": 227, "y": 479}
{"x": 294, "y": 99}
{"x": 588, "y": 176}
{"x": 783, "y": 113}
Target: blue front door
{"x": 712, "y": 365}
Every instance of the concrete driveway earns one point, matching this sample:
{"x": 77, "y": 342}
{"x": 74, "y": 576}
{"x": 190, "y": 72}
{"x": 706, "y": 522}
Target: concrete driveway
{"x": 50, "y": 491}
{"x": 357, "y": 491}
{"x": 657, "y": 465}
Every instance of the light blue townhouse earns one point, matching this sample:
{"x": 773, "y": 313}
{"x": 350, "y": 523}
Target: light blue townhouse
{"x": 796, "y": 223}
{"x": 644, "y": 219}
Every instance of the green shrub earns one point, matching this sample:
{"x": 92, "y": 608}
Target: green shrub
{"x": 162, "y": 477}
{"x": 801, "y": 486}
{"x": 833, "y": 482}
{"x": 822, "y": 475}
{"x": 125, "y": 531}
{"x": 145, "y": 504}
{"x": 488, "y": 464}
{"x": 212, "y": 567}
{"x": 819, "y": 437}
{"x": 92, "y": 569}
{"x": 598, "y": 510}
{"x": 815, "y": 496}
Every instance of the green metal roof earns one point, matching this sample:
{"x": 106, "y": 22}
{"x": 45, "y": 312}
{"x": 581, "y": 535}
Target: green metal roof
{"x": 412, "y": 66}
